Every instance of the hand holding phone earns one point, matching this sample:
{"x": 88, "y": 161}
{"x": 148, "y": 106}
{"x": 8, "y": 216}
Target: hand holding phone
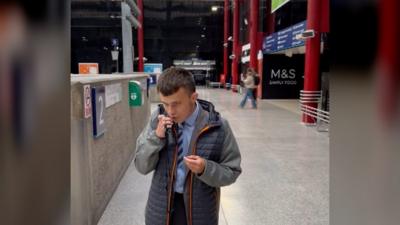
{"x": 164, "y": 123}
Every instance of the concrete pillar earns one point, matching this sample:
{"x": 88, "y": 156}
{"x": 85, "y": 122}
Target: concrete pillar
{"x": 127, "y": 46}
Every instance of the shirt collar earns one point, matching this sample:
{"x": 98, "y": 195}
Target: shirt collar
{"x": 192, "y": 118}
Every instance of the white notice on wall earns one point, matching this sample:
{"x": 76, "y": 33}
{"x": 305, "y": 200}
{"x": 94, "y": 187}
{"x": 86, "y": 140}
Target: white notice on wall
{"x": 113, "y": 94}
{"x": 87, "y": 101}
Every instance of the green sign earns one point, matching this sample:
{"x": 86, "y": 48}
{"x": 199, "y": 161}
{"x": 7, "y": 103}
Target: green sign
{"x": 135, "y": 94}
{"x": 276, "y": 4}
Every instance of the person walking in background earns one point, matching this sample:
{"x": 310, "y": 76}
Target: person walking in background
{"x": 191, "y": 150}
{"x": 249, "y": 84}
{"x": 256, "y": 79}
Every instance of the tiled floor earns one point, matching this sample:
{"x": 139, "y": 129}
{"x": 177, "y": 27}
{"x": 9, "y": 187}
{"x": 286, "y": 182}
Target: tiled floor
{"x": 285, "y": 169}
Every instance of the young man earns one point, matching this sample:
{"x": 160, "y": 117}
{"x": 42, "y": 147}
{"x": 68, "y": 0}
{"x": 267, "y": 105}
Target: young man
{"x": 192, "y": 151}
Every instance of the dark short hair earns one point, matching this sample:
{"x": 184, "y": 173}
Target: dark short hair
{"x": 174, "y": 78}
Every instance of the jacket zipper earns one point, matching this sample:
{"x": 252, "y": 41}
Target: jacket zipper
{"x": 171, "y": 182}
{"x": 191, "y": 176}
{"x": 172, "y": 175}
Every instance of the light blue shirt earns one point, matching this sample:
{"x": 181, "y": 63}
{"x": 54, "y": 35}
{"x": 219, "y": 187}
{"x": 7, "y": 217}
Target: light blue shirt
{"x": 187, "y": 135}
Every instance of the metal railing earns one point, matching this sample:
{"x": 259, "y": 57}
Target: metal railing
{"x": 314, "y": 97}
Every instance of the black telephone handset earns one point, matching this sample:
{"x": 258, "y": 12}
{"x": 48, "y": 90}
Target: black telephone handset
{"x": 169, "y": 134}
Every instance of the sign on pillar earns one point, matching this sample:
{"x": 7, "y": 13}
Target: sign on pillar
{"x": 99, "y": 106}
{"x": 87, "y": 102}
{"x": 135, "y": 94}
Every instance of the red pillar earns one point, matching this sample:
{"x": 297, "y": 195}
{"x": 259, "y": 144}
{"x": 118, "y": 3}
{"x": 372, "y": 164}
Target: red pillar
{"x": 140, "y": 37}
{"x": 253, "y": 33}
{"x": 235, "y": 37}
{"x": 388, "y": 61}
{"x": 226, "y": 33}
{"x": 313, "y": 48}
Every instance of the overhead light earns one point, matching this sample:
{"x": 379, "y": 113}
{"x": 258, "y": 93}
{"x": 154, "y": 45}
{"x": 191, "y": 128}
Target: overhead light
{"x": 214, "y": 8}
{"x": 203, "y": 35}
{"x": 144, "y": 59}
{"x": 225, "y": 45}
{"x": 245, "y": 21}
{"x": 230, "y": 38}
{"x": 112, "y": 16}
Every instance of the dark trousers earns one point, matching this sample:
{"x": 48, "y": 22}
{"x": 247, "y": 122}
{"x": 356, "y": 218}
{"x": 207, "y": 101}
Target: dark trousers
{"x": 179, "y": 212}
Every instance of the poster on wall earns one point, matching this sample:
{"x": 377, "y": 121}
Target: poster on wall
{"x": 283, "y": 76}
{"x": 113, "y": 94}
{"x": 87, "y": 101}
{"x": 88, "y": 68}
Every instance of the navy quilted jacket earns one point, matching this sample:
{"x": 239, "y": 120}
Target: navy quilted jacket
{"x": 213, "y": 140}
